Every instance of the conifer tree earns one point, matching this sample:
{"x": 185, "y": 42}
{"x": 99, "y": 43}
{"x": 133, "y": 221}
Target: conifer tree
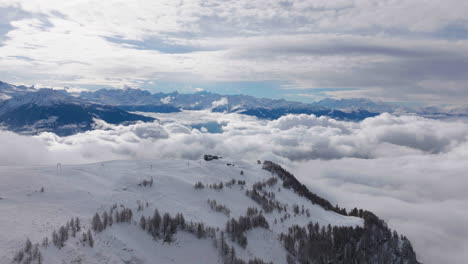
{"x": 143, "y": 222}
{"x": 105, "y": 220}
{"x": 27, "y": 246}
{"x": 97, "y": 223}
{"x": 55, "y": 238}
{"x": 84, "y": 238}
{"x": 77, "y": 224}
{"x": 90, "y": 239}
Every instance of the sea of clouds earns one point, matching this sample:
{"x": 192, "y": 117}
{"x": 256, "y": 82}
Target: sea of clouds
{"x": 409, "y": 170}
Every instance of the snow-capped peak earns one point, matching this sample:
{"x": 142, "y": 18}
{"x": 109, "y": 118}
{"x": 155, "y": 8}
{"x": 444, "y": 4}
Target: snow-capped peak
{"x": 43, "y": 97}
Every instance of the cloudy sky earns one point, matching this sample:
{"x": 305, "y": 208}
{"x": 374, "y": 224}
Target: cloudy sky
{"x": 395, "y": 50}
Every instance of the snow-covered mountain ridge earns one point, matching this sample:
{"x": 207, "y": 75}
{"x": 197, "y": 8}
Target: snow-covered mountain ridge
{"x": 8, "y": 91}
{"x": 140, "y": 100}
{"x": 33, "y": 111}
{"x": 353, "y": 109}
{"x": 214, "y": 198}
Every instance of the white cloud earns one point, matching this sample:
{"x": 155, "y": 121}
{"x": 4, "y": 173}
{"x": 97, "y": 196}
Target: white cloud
{"x": 292, "y": 137}
{"x": 421, "y": 196}
{"x": 21, "y": 150}
{"x": 220, "y": 102}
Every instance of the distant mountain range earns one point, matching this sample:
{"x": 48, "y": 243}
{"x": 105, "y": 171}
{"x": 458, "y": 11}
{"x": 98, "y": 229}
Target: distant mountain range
{"x": 139, "y": 100}
{"x": 362, "y": 104}
{"x": 29, "y": 110}
{"x": 353, "y": 109}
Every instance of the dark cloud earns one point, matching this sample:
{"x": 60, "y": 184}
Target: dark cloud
{"x": 387, "y": 68}
{"x": 315, "y": 46}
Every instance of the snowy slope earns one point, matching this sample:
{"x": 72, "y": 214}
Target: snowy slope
{"x": 8, "y": 91}
{"x": 82, "y": 190}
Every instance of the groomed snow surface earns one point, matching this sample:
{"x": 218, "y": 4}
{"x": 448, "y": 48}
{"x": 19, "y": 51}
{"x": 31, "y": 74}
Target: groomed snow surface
{"x": 82, "y": 190}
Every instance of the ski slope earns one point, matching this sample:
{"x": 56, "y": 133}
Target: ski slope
{"x": 82, "y": 190}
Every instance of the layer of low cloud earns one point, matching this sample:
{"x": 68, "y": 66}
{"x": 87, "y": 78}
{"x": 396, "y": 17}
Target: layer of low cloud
{"x": 422, "y": 196}
{"x": 403, "y": 50}
{"x": 293, "y": 137}
{"x": 409, "y": 170}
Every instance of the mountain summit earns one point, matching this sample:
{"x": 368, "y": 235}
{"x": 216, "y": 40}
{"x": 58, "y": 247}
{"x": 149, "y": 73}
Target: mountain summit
{"x": 178, "y": 211}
